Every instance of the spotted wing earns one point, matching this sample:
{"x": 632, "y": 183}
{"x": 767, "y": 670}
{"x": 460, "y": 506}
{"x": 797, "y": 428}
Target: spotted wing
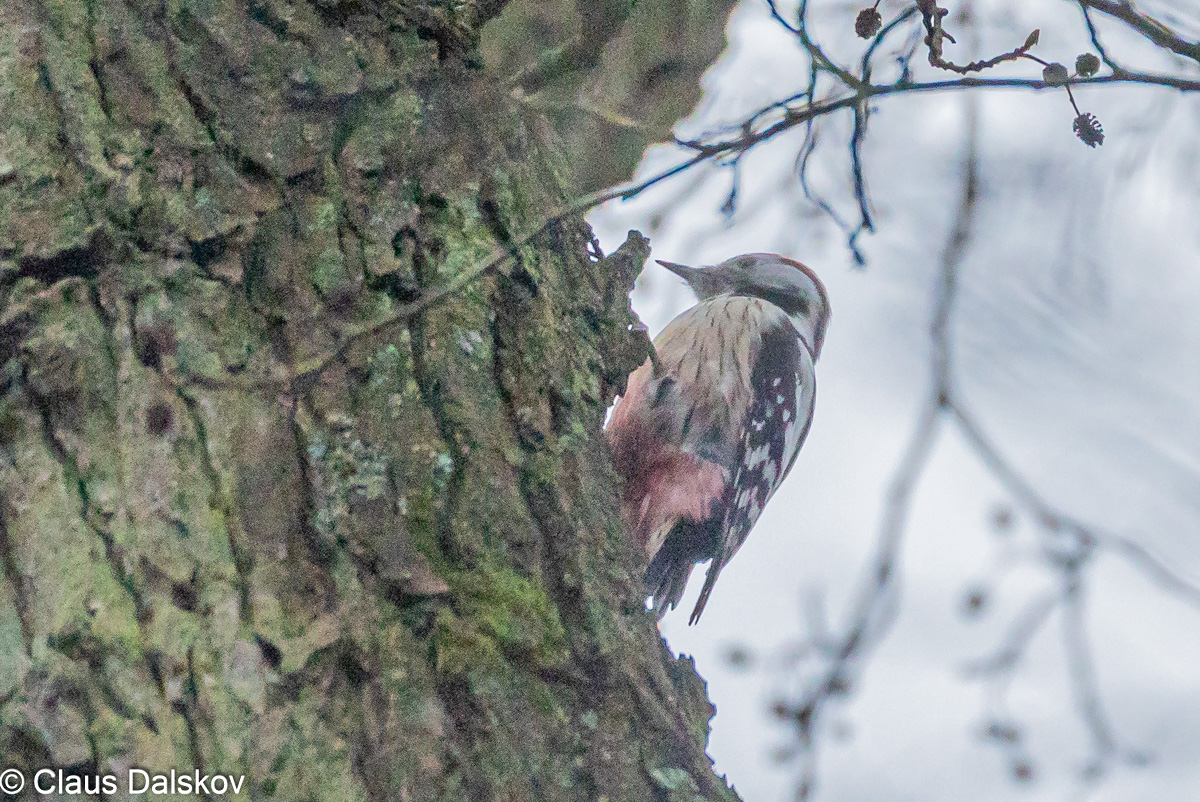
{"x": 783, "y": 386}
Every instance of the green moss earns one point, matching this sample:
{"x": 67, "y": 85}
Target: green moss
{"x": 515, "y": 611}
{"x": 460, "y": 648}
{"x": 503, "y": 614}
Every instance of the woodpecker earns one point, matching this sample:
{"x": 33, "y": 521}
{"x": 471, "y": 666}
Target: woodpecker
{"x": 711, "y": 423}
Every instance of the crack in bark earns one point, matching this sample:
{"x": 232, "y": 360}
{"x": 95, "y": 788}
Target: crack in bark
{"x": 92, "y": 518}
{"x": 124, "y": 579}
{"x": 528, "y": 439}
{"x": 12, "y": 573}
{"x": 188, "y": 706}
{"x": 74, "y": 154}
{"x": 79, "y": 646}
{"x": 321, "y": 553}
{"x": 245, "y": 166}
{"x": 461, "y": 708}
{"x": 207, "y": 117}
{"x": 264, "y": 15}
{"x": 243, "y": 560}
{"x": 431, "y": 395}
{"x": 94, "y": 62}
{"x": 366, "y": 760}
{"x": 543, "y": 508}
{"x": 83, "y": 261}
{"x": 64, "y": 140}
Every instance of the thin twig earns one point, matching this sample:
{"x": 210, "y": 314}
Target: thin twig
{"x": 779, "y": 17}
{"x": 932, "y": 15}
{"x": 818, "y": 56}
{"x": 865, "y": 223}
{"x": 865, "y": 65}
{"x": 1020, "y": 634}
{"x": 1147, "y": 26}
{"x": 1083, "y": 670}
{"x": 1096, "y": 43}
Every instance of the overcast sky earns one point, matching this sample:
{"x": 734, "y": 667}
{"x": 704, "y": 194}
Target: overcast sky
{"x": 1077, "y": 335}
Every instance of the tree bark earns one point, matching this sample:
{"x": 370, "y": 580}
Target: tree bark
{"x": 241, "y": 530}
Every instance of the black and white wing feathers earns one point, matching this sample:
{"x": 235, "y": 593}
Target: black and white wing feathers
{"x": 783, "y": 385}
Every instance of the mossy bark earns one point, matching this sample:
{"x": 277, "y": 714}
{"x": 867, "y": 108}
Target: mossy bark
{"x": 400, "y": 576}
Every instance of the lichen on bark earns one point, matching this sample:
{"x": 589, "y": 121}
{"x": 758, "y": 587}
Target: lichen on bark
{"x": 400, "y": 576}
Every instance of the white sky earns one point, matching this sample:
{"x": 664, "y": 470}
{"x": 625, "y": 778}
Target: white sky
{"x": 1077, "y": 333}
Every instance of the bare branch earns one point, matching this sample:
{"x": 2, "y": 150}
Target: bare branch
{"x": 1083, "y": 671}
{"x": 932, "y": 15}
{"x": 793, "y": 116}
{"x": 779, "y": 17}
{"x": 876, "y": 600}
{"x": 1049, "y": 516}
{"x": 818, "y": 56}
{"x": 1096, "y": 43}
{"x": 1147, "y": 26}
{"x": 877, "y": 42}
{"x": 1021, "y": 632}
{"x": 860, "y": 181}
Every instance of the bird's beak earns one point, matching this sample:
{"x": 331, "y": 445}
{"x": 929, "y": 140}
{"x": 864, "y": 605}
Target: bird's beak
{"x": 683, "y": 271}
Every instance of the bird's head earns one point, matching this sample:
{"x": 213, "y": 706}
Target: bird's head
{"x": 776, "y": 279}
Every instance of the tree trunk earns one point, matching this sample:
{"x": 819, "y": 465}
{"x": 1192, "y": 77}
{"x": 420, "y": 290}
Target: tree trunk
{"x": 246, "y": 530}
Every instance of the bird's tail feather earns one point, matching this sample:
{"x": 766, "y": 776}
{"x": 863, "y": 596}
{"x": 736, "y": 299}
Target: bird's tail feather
{"x": 710, "y": 580}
